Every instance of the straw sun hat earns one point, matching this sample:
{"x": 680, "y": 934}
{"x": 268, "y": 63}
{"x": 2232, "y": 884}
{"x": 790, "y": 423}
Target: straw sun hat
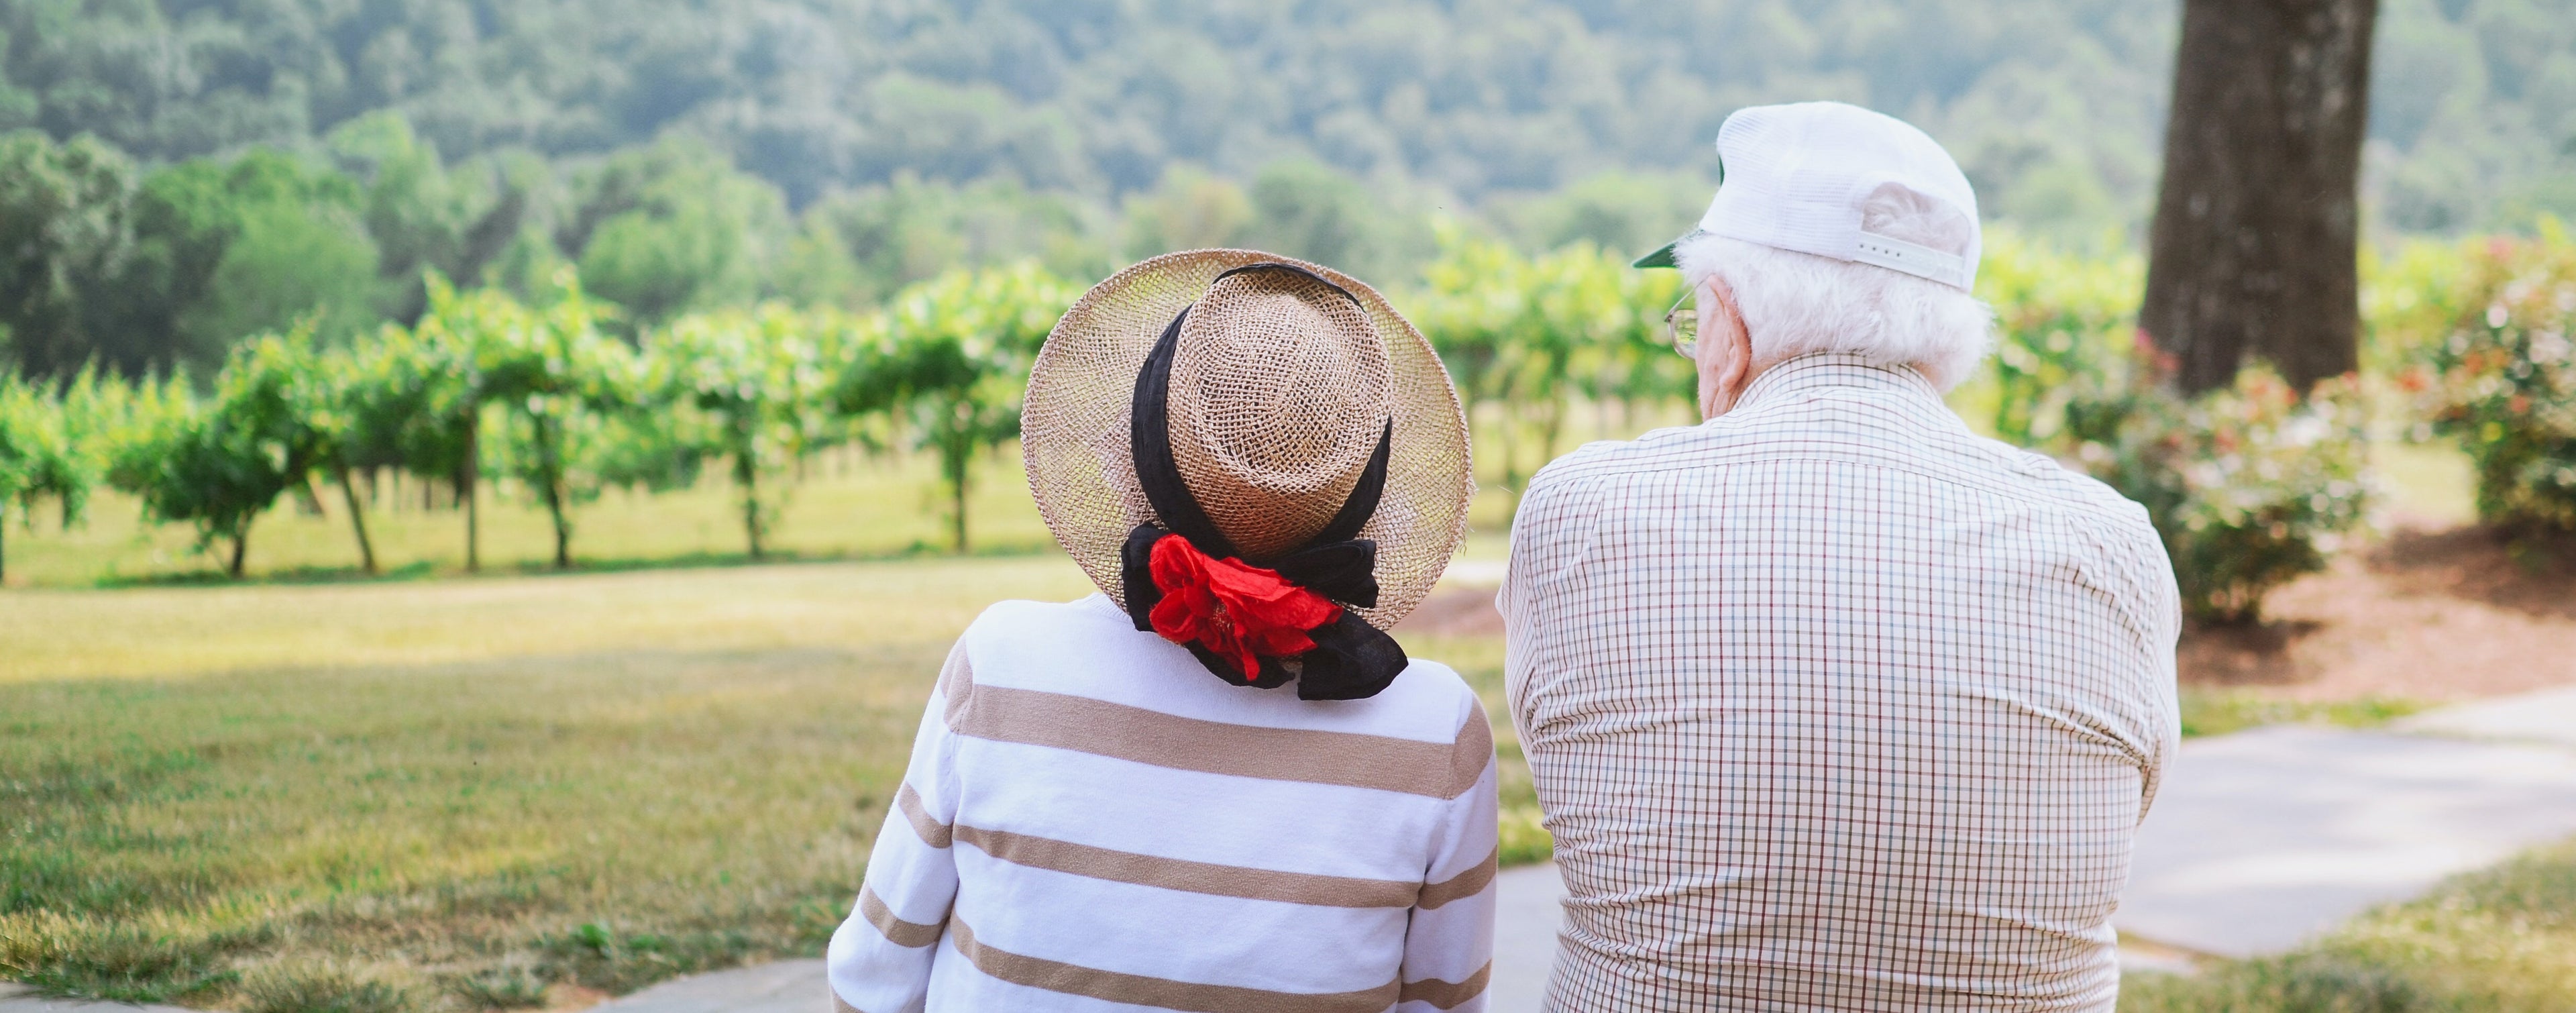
{"x": 1299, "y": 479}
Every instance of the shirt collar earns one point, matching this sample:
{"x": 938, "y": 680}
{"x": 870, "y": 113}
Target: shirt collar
{"x": 1792, "y": 380}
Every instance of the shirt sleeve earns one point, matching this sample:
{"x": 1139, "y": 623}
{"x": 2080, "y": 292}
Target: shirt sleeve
{"x": 1449, "y": 943}
{"x": 2138, "y": 578}
{"x": 879, "y": 960}
{"x": 1552, "y": 533}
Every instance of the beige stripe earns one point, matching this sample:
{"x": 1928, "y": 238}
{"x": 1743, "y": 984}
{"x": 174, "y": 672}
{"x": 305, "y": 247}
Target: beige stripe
{"x": 1474, "y": 750}
{"x": 1445, "y": 995}
{"x": 1461, "y": 886}
{"x": 840, "y": 1005}
{"x": 1189, "y": 876}
{"x": 1102, "y": 728}
{"x": 1139, "y": 990}
{"x": 956, "y": 683}
{"x": 896, "y": 930}
{"x": 933, "y": 832}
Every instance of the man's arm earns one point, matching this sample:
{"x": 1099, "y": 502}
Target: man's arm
{"x": 2137, "y": 576}
{"x": 1552, "y": 531}
{"x": 879, "y": 960}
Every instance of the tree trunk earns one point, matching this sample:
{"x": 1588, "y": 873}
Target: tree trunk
{"x": 307, "y": 502}
{"x": 2254, "y": 244}
{"x": 1556, "y": 411}
{"x": 357, "y": 518}
{"x": 746, "y": 474}
{"x": 465, "y": 483}
{"x": 958, "y": 503}
{"x": 563, "y": 528}
{"x": 958, "y": 471}
{"x": 241, "y": 551}
{"x": 550, "y": 456}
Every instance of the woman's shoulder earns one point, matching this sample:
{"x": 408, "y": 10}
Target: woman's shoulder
{"x": 1089, "y": 648}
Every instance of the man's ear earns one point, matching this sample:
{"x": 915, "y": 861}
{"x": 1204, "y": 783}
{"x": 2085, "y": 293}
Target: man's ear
{"x": 1738, "y": 373}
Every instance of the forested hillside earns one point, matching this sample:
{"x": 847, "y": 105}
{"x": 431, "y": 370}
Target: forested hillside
{"x": 2054, "y": 103}
{"x": 185, "y": 172}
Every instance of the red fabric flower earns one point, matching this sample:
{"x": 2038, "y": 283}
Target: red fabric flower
{"x": 1233, "y": 609}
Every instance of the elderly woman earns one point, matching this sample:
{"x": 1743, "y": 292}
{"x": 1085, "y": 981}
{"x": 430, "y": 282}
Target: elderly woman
{"x": 1831, "y": 704}
{"x": 1218, "y": 785}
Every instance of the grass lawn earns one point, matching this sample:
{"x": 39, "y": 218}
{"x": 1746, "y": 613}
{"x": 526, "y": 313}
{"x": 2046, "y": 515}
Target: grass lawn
{"x": 445, "y": 794}
{"x": 480, "y": 793}
{"x": 2503, "y": 940}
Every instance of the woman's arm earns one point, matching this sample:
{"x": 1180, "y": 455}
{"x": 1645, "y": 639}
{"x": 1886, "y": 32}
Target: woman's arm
{"x": 879, "y": 961}
{"x": 1449, "y": 948}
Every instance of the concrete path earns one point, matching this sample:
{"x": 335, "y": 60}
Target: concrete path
{"x": 788, "y": 986}
{"x": 16, "y": 998}
{"x": 2267, "y": 838}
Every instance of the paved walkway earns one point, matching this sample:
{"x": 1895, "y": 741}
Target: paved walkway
{"x": 21, "y": 999}
{"x": 2259, "y": 841}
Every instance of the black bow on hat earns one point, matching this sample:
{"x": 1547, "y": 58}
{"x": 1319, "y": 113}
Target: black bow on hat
{"x": 1351, "y": 659}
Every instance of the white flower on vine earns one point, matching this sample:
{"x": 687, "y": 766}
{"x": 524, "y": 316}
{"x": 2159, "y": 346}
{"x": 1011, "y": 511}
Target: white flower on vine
{"x": 2549, "y": 346}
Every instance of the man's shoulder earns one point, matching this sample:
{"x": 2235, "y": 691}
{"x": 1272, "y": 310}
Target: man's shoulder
{"x": 2039, "y": 476}
{"x": 1994, "y": 467}
{"x": 1662, "y": 448}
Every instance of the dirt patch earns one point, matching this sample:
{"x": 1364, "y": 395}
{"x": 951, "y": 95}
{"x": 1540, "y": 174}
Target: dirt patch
{"x": 2422, "y": 615}
{"x": 1455, "y": 611}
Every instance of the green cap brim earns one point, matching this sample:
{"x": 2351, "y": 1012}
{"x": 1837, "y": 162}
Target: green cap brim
{"x": 1660, "y": 258}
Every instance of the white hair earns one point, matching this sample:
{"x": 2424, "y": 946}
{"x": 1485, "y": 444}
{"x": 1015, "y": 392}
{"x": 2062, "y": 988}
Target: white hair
{"x": 1800, "y": 304}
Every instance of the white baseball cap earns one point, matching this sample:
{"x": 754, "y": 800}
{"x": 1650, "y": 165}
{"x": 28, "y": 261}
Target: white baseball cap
{"x": 1794, "y": 177}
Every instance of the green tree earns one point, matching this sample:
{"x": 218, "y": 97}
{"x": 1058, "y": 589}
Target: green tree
{"x": 41, "y": 455}
{"x": 1189, "y": 210}
{"x": 556, "y": 378}
{"x": 422, "y": 215}
{"x": 64, "y": 237}
{"x": 1522, "y": 335}
{"x": 336, "y": 408}
{"x": 219, "y": 463}
{"x": 224, "y": 249}
{"x": 1614, "y": 210}
{"x": 672, "y": 228}
{"x": 290, "y": 262}
{"x": 417, "y": 396}
{"x": 953, "y": 358}
{"x": 755, "y": 383}
{"x": 856, "y": 248}
{"x": 1310, "y": 211}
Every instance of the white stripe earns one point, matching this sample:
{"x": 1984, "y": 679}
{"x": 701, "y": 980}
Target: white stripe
{"x": 1194, "y": 816}
{"x": 1134, "y": 929}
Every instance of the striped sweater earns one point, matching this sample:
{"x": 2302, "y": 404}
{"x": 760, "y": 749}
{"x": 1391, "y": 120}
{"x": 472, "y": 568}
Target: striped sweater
{"x": 1092, "y": 822}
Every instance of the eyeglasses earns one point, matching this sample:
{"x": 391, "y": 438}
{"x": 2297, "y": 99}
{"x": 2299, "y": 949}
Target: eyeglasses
{"x": 1681, "y": 324}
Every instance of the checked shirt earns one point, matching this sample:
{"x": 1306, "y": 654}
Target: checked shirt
{"x": 1833, "y": 705}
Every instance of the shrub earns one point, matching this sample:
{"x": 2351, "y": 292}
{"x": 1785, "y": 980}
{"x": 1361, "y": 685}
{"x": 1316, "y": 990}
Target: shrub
{"x": 2250, "y": 486}
{"x": 2064, "y": 325}
{"x": 2502, "y": 380}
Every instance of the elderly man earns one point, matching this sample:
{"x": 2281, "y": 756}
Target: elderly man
{"x": 1831, "y": 704}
